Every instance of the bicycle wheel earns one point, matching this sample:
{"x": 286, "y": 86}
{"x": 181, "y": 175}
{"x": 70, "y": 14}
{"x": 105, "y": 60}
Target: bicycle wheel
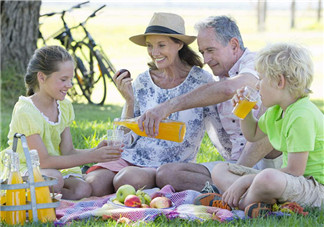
{"x": 109, "y": 68}
{"x": 89, "y": 73}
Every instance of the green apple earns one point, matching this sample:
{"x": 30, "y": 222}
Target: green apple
{"x": 124, "y": 191}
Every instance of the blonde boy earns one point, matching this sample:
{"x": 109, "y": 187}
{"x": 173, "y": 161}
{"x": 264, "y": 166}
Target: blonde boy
{"x": 294, "y": 126}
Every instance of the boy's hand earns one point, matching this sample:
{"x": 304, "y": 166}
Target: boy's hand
{"x": 233, "y": 194}
{"x": 238, "y": 96}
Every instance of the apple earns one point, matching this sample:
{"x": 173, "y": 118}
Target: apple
{"x": 132, "y": 201}
{"x": 124, "y": 191}
{"x": 122, "y": 71}
{"x": 160, "y": 202}
{"x": 145, "y": 205}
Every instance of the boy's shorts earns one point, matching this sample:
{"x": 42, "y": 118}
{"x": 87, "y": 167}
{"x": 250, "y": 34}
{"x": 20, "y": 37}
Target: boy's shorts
{"x": 305, "y": 191}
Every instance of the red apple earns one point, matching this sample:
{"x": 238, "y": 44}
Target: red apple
{"x": 132, "y": 201}
{"x": 122, "y": 71}
{"x": 160, "y": 202}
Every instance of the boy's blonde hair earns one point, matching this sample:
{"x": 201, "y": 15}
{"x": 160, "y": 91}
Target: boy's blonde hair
{"x": 290, "y": 60}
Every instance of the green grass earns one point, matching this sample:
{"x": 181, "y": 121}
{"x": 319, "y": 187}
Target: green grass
{"x": 89, "y": 127}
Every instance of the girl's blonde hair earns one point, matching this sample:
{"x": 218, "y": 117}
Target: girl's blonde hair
{"x": 45, "y": 60}
{"x": 290, "y": 60}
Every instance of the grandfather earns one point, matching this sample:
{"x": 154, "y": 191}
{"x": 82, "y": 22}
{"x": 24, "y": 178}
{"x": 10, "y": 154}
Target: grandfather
{"x": 220, "y": 43}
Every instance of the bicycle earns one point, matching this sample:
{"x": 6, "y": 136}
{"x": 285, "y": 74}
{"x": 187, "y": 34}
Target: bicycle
{"x": 92, "y": 64}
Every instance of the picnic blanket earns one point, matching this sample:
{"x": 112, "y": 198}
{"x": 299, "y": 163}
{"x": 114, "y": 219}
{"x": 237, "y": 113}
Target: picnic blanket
{"x": 182, "y": 201}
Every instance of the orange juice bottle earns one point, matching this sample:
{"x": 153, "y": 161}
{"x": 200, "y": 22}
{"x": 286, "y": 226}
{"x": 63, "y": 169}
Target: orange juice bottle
{"x": 15, "y": 196}
{"x": 3, "y": 200}
{"x": 42, "y": 193}
{"x": 168, "y": 129}
{"x": 3, "y": 180}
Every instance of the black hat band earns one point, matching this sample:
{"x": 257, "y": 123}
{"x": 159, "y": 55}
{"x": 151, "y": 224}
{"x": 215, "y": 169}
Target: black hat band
{"x": 160, "y": 29}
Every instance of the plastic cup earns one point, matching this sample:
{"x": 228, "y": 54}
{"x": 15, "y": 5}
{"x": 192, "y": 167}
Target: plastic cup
{"x": 115, "y": 137}
{"x": 245, "y": 105}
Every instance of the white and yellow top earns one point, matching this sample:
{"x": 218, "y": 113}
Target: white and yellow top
{"x": 28, "y": 120}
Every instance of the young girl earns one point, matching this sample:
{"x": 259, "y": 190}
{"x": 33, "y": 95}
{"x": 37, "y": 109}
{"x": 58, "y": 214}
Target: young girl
{"x": 44, "y": 117}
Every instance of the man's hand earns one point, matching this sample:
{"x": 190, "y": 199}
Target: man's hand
{"x": 151, "y": 119}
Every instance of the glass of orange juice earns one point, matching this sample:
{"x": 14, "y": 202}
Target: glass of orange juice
{"x": 245, "y": 105}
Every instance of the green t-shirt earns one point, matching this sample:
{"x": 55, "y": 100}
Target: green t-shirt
{"x": 300, "y": 130}
{"x": 28, "y": 120}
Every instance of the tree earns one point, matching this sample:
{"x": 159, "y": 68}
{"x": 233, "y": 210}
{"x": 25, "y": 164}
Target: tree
{"x": 293, "y": 10}
{"x": 319, "y": 11}
{"x": 19, "y": 32}
{"x": 262, "y": 10}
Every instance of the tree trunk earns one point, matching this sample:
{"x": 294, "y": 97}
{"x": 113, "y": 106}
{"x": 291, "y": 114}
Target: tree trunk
{"x": 319, "y": 11}
{"x": 262, "y": 11}
{"x": 19, "y": 31}
{"x": 293, "y": 10}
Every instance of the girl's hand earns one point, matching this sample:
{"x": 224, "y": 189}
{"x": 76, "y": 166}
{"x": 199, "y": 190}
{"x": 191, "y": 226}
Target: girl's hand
{"x": 105, "y": 143}
{"x": 106, "y": 154}
{"x": 123, "y": 83}
{"x": 102, "y": 144}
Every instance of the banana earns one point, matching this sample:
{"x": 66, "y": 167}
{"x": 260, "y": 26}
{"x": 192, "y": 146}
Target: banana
{"x": 117, "y": 202}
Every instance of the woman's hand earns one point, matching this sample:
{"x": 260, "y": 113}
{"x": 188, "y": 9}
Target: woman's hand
{"x": 123, "y": 83}
{"x": 233, "y": 194}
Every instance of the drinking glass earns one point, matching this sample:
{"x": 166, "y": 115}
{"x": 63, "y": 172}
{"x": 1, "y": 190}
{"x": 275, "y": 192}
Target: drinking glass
{"x": 244, "y": 106}
{"x": 115, "y": 137}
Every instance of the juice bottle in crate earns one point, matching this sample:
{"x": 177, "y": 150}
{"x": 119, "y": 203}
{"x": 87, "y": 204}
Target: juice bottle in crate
{"x": 2, "y": 203}
{"x": 15, "y": 197}
{"x": 4, "y": 178}
{"x": 42, "y": 193}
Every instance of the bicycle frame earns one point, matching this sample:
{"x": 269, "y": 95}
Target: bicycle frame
{"x": 91, "y": 62}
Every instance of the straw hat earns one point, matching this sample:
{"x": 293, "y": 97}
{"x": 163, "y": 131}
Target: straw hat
{"x": 166, "y": 24}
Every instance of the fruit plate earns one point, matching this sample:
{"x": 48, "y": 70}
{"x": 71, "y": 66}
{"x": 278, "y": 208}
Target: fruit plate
{"x": 121, "y": 205}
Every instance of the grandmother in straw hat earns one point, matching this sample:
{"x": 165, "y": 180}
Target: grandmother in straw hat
{"x": 174, "y": 69}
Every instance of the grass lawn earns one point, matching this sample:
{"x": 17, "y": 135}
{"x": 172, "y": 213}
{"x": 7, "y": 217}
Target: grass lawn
{"x": 90, "y": 127}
